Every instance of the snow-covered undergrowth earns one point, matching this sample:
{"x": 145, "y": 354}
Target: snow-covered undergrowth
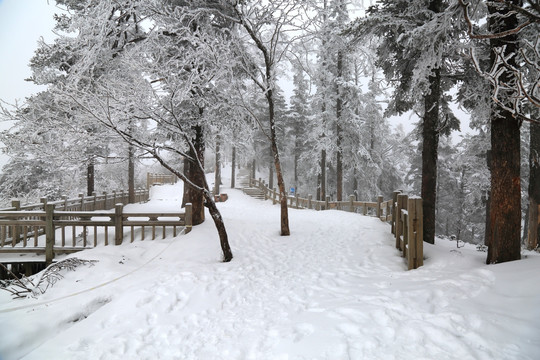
{"x": 335, "y": 289}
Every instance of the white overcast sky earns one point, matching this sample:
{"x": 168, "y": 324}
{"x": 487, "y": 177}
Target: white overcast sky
{"x": 22, "y": 23}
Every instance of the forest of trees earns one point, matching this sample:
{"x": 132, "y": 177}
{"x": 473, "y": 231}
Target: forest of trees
{"x": 303, "y": 91}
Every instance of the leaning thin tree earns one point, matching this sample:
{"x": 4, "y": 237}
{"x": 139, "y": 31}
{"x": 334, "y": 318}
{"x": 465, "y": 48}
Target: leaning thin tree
{"x": 270, "y": 28}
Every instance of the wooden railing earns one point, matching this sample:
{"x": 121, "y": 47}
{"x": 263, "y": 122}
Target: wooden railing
{"x": 26, "y": 228}
{"x": 159, "y": 179}
{"x": 93, "y": 202}
{"x": 379, "y": 208}
{"x": 404, "y": 214}
{"x": 408, "y": 228}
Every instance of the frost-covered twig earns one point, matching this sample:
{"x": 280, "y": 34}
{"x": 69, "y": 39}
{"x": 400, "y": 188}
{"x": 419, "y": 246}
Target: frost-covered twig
{"x": 24, "y": 287}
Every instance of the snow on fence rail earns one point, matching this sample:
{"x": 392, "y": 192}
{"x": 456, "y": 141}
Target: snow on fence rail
{"x": 159, "y": 179}
{"x": 381, "y": 209}
{"x": 25, "y": 228}
{"x": 93, "y": 202}
{"x": 403, "y": 213}
{"x": 407, "y": 227}
{"x": 41, "y": 228}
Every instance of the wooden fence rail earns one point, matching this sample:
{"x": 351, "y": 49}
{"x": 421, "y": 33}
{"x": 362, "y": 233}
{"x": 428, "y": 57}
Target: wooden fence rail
{"x": 94, "y": 202}
{"x": 82, "y": 226}
{"x": 380, "y": 208}
{"x": 158, "y": 179}
{"x": 403, "y": 213}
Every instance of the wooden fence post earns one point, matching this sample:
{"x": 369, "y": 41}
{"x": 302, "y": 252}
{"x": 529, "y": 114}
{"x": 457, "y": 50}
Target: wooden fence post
{"x": 188, "y": 218}
{"x": 81, "y": 196}
{"x": 327, "y": 203}
{"x": 415, "y": 256}
{"x": 49, "y": 234}
{"x": 394, "y": 214}
{"x": 148, "y": 179}
{"x": 43, "y": 200}
{"x": 380, "y": 199}
{"x": 364, "y": 209}
{"x": 309, "y": 198}
{"x": 114, "y": 197}
{"x": 351, "y": 203}
{"x": 104, "y": 201}
{"x": 118, "y": 224}
{"x": 15, "y": 231}
{"x": 94, "y": 194}
{"x": 401, "y": 204}
{"x": 274, "y": 197}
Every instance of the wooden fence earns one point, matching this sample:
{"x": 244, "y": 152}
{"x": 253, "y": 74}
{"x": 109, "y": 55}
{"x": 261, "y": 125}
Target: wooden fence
{"x": 408, "y": 228}
{"x": 93, "y": 202}
{"x": 379, "y": 208}
{"x": 20, "y": 231}
{"x": 404, "y": 215}
{"x": 159, "y": 179}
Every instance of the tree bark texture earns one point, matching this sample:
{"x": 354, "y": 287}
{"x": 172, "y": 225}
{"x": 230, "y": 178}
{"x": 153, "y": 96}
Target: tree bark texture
{"x": 430, "y": 147}
{"x": 534, "y": 187}
{"x": 90, "y": 177}
{"x": 339, "y": 104}
{"x": 233, "y": 167}
{"x": 217, "y": 177}
{"x": 196, "y": 175}
{"x": 271, "y": 172}
{"x": 322, "y": 189}
{"x": 505, "y": 206}
{"x": 131, "y": 174}
{"x": 487, "y": 233}
{"x": 220, "y": 226}
{"x": 285, "y": 231}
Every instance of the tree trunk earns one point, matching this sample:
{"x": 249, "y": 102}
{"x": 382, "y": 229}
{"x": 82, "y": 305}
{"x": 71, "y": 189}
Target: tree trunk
{"x": 90, "y": 177}
{"x": 339, "y": 103}
{"x": 186, "y": 196}
{"x": 323, "y": 175}
{"x": 505, "y": 210}
{"x": 534, "y": 187}
{"x": 285, "y": 231}
{"x": 196, "y": 175}
{"x": 487, "y": 232}
{"x": 220, "y": 226}
{"x": 296, "y": 155}
{"x": 430, "y": 146}
{"x": 271, "y": 176}
{"x": 131, "y": 174}
{"x": 204, "y": 192}
{"x": 233, "y": 167}
{"x": 217, "y": 177}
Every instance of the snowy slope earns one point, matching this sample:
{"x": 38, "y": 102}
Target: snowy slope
{"x": 335, "y": 289}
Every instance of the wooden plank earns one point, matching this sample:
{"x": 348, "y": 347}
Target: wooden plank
{"x": 401, "y": 204}
{"x": 50, "y": 233}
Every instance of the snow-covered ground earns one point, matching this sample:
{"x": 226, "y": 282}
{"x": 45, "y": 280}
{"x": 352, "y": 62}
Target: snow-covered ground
{"x": 335, "y": 289}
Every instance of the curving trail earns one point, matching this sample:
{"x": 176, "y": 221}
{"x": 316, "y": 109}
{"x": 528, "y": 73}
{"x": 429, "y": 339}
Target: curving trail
{"x": 335, "y": 289}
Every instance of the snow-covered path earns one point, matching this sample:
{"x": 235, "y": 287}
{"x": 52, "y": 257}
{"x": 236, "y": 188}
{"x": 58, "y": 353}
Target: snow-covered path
{"x": 335, "y": 289}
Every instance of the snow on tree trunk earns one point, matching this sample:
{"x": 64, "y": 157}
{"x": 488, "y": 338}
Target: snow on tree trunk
{"x": 534, "y": 187}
